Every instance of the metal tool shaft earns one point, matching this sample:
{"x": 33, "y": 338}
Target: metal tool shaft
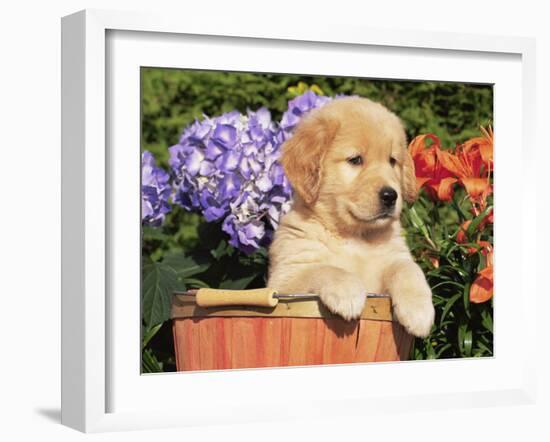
{"x": 193, "y": 292}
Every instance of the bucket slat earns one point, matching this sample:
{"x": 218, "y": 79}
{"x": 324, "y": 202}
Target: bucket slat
{"x": 339, "y": 342}
{"x": 367, "y": 342}
{"x": 302, "y": 343}
{"x": 243, "y": 343}
{"x": 207, "y": 341}
{"x": 387, "y": 348}
{"x": 270, "y": 337}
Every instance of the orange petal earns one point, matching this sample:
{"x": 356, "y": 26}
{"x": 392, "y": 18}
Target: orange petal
{"x": 487, "y": 133}
{"x": 461, "y": 235}
{"x": 424, "y": 162}
{"x": 445, "y": 189}
{"x": 420, "y": 181}
{"x": 486, "y": 151}
{"x": 482, "y": 287}
{"x": 474, "y": 162}
{"x": 489, "y": 262}
{"x": 477, "y": 187}
{"x": 451, "y": 162}
{"x": 473, "y": 143}
{"x": 418, "y": 144}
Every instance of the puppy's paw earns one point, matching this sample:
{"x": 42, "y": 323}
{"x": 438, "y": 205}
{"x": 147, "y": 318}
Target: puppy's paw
{"x": 346, "y": 299}
{"x": 415, "y": 313}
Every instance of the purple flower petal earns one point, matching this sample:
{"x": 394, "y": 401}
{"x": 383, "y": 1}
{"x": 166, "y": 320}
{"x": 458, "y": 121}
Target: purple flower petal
{"x": 264, "y": 183}
{"x": 228, "y": 161}
{"x": 225, "y": 136}
{"x": 207, "y": 168}
{"x": 212, "y": 150}
{"x": 244, "y": 167}
{"x": 255, "y": 166}
{"x": 251, "y": 233}
{"x": 155, "y": 191}
{"x": 214, "y": 213}
{"x": 193, "y": 162}
{"x": 250, "y": 149}
{"x": 229, "y": 186}
{"x": 277, "y": 174}
{"x": 232, "y": 118}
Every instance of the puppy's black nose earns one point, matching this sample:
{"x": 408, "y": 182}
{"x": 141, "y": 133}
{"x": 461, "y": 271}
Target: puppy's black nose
{"x": 388, "y": 196}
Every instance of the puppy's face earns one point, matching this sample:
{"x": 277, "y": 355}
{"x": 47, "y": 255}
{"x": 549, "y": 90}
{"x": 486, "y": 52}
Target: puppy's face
{"x": 348, "y": 160}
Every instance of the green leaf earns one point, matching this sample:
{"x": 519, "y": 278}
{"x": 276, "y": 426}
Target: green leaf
{"x": 468, "y": 343}
{"x": 487, "y": 320}
{"x": 430, "y": 352}
{"x": 466, "y": 299}
{"x": 448, "y": 307}
{"x": 195, "y": 282}
{"x": 149, "y": 363}
{"x": 484, "y": 350}
{"x": 238, "y": 284}
{"x": 159, "y": 281}
{"x": 465, "y": 340}
{"x": 419, "y": 224}
{"x": 477, "y": 220}
{"x": 222, "y": 249}
{"x": 454, "y": 268}
{"x": 149, "y": 333}
{"x": 153, "y": 233}
{"x": 461, "y": 213}
{"x": 186, "y": 266}
{"x": 441, "y": 350}
{"x": 444, "y": 283}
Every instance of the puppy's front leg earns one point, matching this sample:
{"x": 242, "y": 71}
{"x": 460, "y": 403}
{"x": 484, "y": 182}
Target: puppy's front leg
{"x": 342, "y": 292}
{"x": 411, "y": 296}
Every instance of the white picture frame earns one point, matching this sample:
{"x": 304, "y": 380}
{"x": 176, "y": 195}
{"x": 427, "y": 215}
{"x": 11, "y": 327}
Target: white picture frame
{"x": 92, "y": 366}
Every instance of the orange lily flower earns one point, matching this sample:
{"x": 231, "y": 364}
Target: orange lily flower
{"x": 472, "y": 163}
{"x": 482, "y": 287}
{"x": 430, "y": 172}
{"x": 485, "y": 145}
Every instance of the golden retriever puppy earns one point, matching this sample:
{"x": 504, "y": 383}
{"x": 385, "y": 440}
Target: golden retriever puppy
{"x": 350, "y": 170}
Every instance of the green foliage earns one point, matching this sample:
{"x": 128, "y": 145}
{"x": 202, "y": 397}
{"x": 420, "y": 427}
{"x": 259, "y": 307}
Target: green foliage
{"x": 173, "y": 98}
{"x": 186, "y": 251}
{"x": 461, "y": 329}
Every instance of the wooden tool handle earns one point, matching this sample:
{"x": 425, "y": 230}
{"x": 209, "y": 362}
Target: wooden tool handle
{"x": 218, "y": 297}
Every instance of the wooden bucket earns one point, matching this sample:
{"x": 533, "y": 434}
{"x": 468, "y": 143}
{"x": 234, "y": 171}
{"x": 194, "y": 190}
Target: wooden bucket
{"x": 294, "y": 332}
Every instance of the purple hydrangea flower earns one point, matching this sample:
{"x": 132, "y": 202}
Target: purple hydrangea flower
{"x": 227, "y": 168}
{"x": 155, "y": 191}
{"x": 299, "y": 106}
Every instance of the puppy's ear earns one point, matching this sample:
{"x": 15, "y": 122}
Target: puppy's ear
{"x": 410, "y": 192}
{"x": 303, "y": 153}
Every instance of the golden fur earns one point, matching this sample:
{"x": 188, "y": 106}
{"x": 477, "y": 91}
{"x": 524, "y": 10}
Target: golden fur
{"x": 339, "y": 240}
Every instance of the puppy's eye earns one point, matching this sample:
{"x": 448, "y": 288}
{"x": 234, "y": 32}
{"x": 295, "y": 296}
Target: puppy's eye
{"x": 393, "y": 161}
{"x": 356, "y": 160}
